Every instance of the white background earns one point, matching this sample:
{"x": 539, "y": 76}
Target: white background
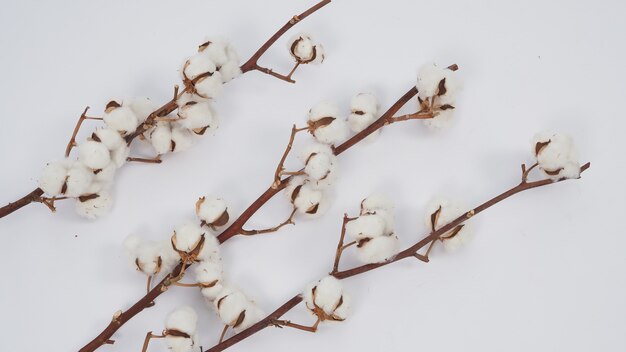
{"x": 547, "y": 268}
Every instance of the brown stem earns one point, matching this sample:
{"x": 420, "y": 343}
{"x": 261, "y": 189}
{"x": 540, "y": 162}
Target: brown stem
{"x": 252, "y": 63}
{"x": 272, "y": 319}
{"x": 289, "y": 221}
{"x": 340, "y": 246}
{"x": 72, "y": 141}
{"x": 414, "y": 116}
{"x": 281, "y": 163}
{"x": 155, "y": 160}
{"x": 223, "y": 333}
{"x": 287, "y": 323}
{"x": 31, "y": 197}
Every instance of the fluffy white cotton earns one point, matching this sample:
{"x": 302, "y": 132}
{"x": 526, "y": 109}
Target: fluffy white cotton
{"x": 376, "y": 202}
{"x": 556, "y": 155}
{"x": 377, "y": 249}
{"x": 216, "y": 50}
{"x": 161, "y": 137}
{"x": 320, "y": 164}
{"x": 364, "y": 103}
{"x": 326, "y": 125}
{"x": 97, "y": 186}
{"x": 53, "y": 176}
{"x": 197, "y": 65}
{"x": 293, "y": 187}
{"x": 326, "y": 294}
{"x": 96, "y": 207}
{"x": 210, "y": 87}
{"x": 442, "y": 120}
{"x": 301, "y": 47}
{"x": 254, "y": 314}
{"x": 308, "y": 199}
{"x": 429, "y": 78}
{"x": 196, "y": 115}
{"x": 94, "y": 155}
{"x": 183, "y": 319}
{"x": 230, "y": 71}
{"x": 119, "y": 155}
{"x": 210, "y": 275}
{"x": 182, "y": 139}
{"x": 210, "y": 208}
{"x": 142, "y": 107}
{"x": 366, "y": 226}
{"x": 150, "y": 257}
{"x": 210, "y": 251}
{"x": 450, "y": 210}
{"x": 187, "y": 236}
{"x": 79, "y": 178}
{"x": 359, "y": 122}
{"x": 322, "y": 110}
{"x": 121, "y": 118}
{"x": 109, "y": 137}
{"x": 180, "y": 343}
{"x": 230, "y": 304}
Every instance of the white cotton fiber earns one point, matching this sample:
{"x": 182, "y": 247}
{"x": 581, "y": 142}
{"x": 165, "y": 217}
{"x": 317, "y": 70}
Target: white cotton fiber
{"x": 429, "y": 77}
{"x": 182, "y": 139}
{"x": 183, "y": 319}
{"x": 230, "y": 71}
{"x": 375, "y": 202}
{"x": 442, "y": 120}
{"x": 195, "y": 115}
{"x": 308, "y": 199}
{"x": 364, "y": 103}
{"x": 94, "y": 155}
{"x": 333, "y": 133}
{"x": 230, "y": 305}
{"x": 210, "y": 208}
{"x": 210, "y": 87}
{"x": 121, "y": 118}
{"x": 109, "y": 137}
{"x": 120, "y": 155}
{"x": 210, "y": 251}
{"x": 187, "y": 236}
{"x": 450, "y": 210}
{"x": 325, "y": 294}
{"x": 254, "y": 314}
{"x": 96, "y": 207}
{"x": 53, "y": 176}
{"x": 215, "y": 49}
{"x": 368, "y": 225}
{"x": 359, "y": 122}
{"x": 556, "y": 155}
{"x": 79, "y": 178}
{"x": 180, "y": 343}
{"x": 197, "y": 65}
{"x": 301, "y": 47}
{"x": 320, "y": 163}
{"x": 142, "y": 107}
{"x": 377, "y": 249}
{"x": 161, "y": 137}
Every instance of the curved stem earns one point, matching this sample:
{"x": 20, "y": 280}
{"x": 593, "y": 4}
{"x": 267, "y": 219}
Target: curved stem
{"x": 34, "y": 196}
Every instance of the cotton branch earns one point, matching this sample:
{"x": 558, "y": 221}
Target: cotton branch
{"x": 274, "y": 318}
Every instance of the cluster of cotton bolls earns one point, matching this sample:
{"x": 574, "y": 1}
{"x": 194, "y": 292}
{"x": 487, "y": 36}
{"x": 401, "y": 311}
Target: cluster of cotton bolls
{"x": 327, "y": 300}
{"x": 181, "y": 330}
{"x": 373, "y": 230}
{"x": 442, "y": 211}
{"x": 304, "y": 49}
{"x": 556, "y": 155}
{"x": 437, "y": 89}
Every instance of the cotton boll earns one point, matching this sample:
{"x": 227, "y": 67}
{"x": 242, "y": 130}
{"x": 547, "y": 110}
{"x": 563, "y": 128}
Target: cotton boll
{"x": 142, "y": 107}
{"x": 319, "y": 54}
{"x": 429, "y": 78}
{"x": 556, "y": 155}
{"x": 94, "y": 208}
{"x": 443, "y": 211}
{"x": 253, "y": 315}
{"x": 344, "y": 309}
{"x": 301, "y": 47}
{"x": 332, "y": 133}
{"x": 324, "y": 294}
{"x": 230, "y": 306}
{"x": 183, "y": 319}
{"x": 145, "y": 255}
{"x": 195, "y": 115}
{"x": 377, "y": 249}
{"x": 53, "y": 177}
{"x": 212, "y": 210}
{"x": 215, "y": 50}
{"x": 364, "y": 103}
{"x": 359, "y": 122}
{"x": 186, "y": 237}
{"x": 197, "y": 65}
{"x": 210, "y": 251}
{"x": 119, "y": 155}
{"x": 308, "y": 199}
{"x": 366, "y": 226}
{"x": 210, "y": 87}
{"x": 94, "y": 155}
{"x": 182, "y": 139}
{"x": 442, "y": 120}
{"x": 322, "y": 110}
{"x": 375, "y": 202}
{"x": 210, "y": 275}
{"x": 462, "y": 237}
{"x": 161, "y": 138}
{"x": 109, "y": 137}
{"x": 120, "y": 118}
{"x": 320, "y": 163}
{"x": 78, "y": 180}
{"x": 229, "y": 71}
{"x": 180, "y": 343}
{"x": 97, "y": 187}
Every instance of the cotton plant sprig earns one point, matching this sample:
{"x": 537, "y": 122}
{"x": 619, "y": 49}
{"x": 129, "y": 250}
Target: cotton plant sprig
{"x": 306, "y": 189}
{"x": 375, "y": 242}
{"x": 87, "y": 178}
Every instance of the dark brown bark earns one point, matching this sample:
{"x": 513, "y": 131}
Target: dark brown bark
{"x": 34, "y": 196}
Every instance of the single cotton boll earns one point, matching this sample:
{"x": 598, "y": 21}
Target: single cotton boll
{"x": 95, "y": 207}
{"x": 293, "y": 187}
{"x": 230, "y": 71}
{"x": 364, "y": 103}
{"x": 180, "y": 343}
{"x": 210, "y": 209}
{"x": 325, "y": 124}
{"x": 120, "y": 118}
{"x": 183, "y": 319}
{"x": 195, "y": 115}
{"x": 170, "y": 258}
{"x": 366, "y": 226}
{"x": 186, "y": 237}
{"x": 325, "y": 294}
{"x": 301, "y": 47}
{"x": 94, "y": 155}
{"x": 53, "y": 177}
{"x": 254, "y": 314}
{"x": 197, "y": 65}
{"x": 146, "y": 256}
{"x": 442, "y": 120}
{"x": 556, "y": 155}
{"x": 142, "y": 107}
{"x": 109, "y": 137}
{"x": 209, "y": 274}
{"x": 375, "y": 202}
{"x": 215, "y": 50}
{"x": 461, "y": 238}
{"x": 390, "y": 222}
{"x": 210, "y": 251}
{"x": 450, "y": 210}
{"x": 343, "y": 310}
{"x": 79, "y": 178}
{"x": 322, "y": 110}
{"x": 230, "y": 306}
{"x": 308, "y": 199}
{"x": 119, "y": 155}
{"x": 97, "y": 187}
{"x": 430, "y": 76}
{"x": 377, "y": 249}
{"x": 182, "y": 138}
{"x": 210, "y": 87}
{"x": 320, "y": 163}
{"x": 161, "y": 138}
{"x": 359, "y": 122}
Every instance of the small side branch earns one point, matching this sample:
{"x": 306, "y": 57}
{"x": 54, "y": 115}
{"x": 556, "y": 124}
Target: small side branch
{"x": 526, "y": 172}
{"x": 420, "y": 115}
{"x": 289, "y": 221}
{"x": 280, "y": 168}
{"x": 280, "y": 323}
{"x": 72, "y": 142}
{"x": 340, "y": 246}
{"x": 146, "y": 341}
{"x": 155, "y": 160}
{"x": 269, "y": 71}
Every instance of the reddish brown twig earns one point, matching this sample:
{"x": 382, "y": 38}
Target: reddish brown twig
{"x": 272, "y": 319}
{"x": 340, "y": 246}
{"x": 72, "y": 142}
